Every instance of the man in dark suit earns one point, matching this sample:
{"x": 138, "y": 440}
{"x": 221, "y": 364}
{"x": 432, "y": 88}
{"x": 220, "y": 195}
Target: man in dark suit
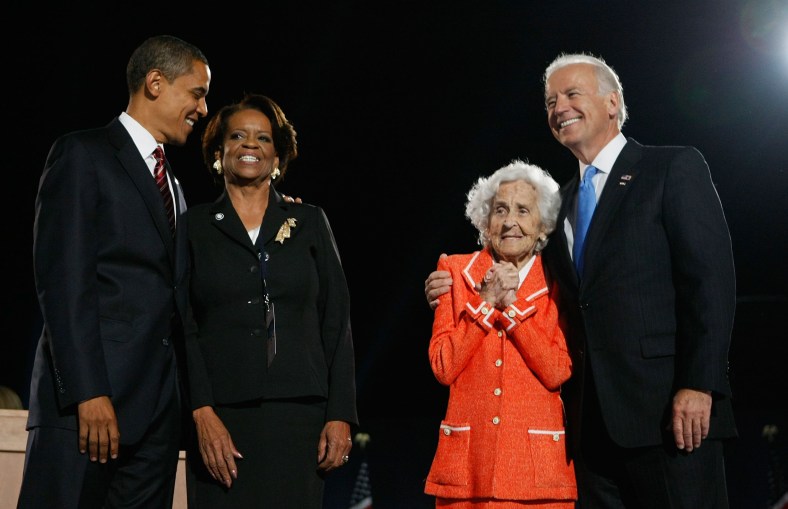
{"x": 650, "y": 309}
{"x": 110, "y": 269}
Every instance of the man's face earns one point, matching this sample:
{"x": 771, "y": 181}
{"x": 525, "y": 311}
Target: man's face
{"x": 579, "y": 117}
{"x": 182, "y": 103}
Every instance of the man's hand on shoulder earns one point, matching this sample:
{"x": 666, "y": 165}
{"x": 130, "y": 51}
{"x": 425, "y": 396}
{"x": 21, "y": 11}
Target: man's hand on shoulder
{"x": 436, "y": 284}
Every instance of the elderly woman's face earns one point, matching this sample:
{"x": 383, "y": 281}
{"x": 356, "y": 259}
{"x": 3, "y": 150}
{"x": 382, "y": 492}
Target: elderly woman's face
{"x": 515, "y": 222}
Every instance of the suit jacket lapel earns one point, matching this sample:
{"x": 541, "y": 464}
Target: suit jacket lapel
{"x": 226, "y": 219}
{"x": 558, "y": 247}
{"x": 477, "y": 267}
{"x": 181, "y": 241}
{"x": 622, "y": 177}
{"x": 275, "y": 216}
{"x": 140, "y": 175}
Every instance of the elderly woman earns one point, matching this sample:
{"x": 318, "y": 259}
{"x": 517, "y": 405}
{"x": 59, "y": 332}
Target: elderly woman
{"x": 498, "y": 345}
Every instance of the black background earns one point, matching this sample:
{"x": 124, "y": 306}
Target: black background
{"x": 399, "y": 107}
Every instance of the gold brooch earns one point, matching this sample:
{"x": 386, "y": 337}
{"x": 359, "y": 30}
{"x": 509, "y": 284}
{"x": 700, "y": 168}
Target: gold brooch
{"x": 284, "y": 230}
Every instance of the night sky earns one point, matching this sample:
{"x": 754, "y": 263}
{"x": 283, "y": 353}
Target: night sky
{"x": 399, "y": 108}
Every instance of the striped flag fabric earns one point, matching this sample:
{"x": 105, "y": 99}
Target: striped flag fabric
{"x": 361, "y": 496}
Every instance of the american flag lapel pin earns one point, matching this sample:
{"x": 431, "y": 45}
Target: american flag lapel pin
{"x": 624, "y": 180}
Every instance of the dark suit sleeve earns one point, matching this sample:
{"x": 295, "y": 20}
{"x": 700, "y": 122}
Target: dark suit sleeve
{"x": 701, "y": 254}
{"x": 65, "y": 246}
{"x": 200, "y": 391}
{"x": 199, "y": 383}
{"x": 335, "y": 327}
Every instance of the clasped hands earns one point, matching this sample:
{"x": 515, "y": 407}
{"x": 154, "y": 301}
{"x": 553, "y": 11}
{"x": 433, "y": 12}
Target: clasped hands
{"x": 499, "y": 285}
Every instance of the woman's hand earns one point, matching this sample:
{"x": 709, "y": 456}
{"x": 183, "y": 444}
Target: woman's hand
{"x": 500, "y": 283}
{"x": 216, "y": 447}
{"x": 333, "y": 449}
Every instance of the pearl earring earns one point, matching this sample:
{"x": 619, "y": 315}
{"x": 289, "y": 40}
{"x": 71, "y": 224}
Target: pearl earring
{"x": 275, "y": 173}
{"x": 218, "y": 167}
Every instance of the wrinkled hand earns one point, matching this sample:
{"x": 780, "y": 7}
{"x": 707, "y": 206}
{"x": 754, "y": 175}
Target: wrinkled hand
{"x": 335, "y": 443}
{"x": 216, "y": 446}
{"x": 98, "y": 429}
{"x": 290, "y": 199}
{"x": 499, "y": 286}
{"x": 691, "y": 416}
{"x": 436, "y": 284}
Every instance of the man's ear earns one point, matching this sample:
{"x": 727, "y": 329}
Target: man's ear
{"x": 153, "y": 81}
{"x": 612, "y": 101}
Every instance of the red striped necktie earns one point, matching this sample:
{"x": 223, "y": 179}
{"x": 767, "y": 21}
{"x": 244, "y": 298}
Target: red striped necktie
{"x": 160, "y": 174}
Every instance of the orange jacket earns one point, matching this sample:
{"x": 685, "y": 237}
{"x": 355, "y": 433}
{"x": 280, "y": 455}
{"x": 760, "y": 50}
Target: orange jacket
{"x": 503, "y": 434}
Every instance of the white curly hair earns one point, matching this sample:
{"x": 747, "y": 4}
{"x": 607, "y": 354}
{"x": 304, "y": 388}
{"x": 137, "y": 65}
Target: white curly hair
{"x": 481, "y": 196}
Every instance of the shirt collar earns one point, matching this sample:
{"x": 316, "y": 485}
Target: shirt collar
{"x": 143, "y": 140}
{"x": 607, "y": 156}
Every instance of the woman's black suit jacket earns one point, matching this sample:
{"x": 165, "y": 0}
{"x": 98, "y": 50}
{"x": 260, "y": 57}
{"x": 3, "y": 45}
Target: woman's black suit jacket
{"x": 307, "y": 285}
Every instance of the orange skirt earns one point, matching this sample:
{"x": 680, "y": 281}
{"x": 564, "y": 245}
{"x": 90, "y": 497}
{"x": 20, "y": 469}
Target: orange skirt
{"x": 490, "y": 503}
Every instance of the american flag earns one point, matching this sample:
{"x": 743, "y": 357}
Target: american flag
{"x": 778, "y": 484}
{"x": 361, "y": 497}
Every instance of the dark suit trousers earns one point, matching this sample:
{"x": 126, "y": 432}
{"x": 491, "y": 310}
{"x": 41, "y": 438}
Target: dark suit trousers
{"x": 659, "y": 477}
{"x": 143, "y": 476}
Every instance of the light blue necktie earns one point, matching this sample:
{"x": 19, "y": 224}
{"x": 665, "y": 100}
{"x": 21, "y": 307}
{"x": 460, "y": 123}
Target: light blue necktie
{"x": 586, "y": 203}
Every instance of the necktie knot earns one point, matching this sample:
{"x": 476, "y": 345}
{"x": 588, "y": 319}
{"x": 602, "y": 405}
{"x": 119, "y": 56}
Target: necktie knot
{"x": 586, "y": 203}
{"x": 158, "y": 155}
{"x": 587, "y": 176}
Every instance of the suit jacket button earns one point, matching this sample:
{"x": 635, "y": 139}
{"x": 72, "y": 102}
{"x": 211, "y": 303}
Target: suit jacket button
{"x": 165, "y": 341}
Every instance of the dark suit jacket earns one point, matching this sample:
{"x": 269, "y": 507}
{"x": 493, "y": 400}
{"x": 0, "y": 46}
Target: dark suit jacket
{"x": 654, "y": 311}
{"x": 312, "y": 305}
{"x": 109, "y": 277}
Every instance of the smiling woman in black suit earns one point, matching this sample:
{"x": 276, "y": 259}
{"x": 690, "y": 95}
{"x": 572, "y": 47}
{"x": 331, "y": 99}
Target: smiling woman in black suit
{"x": 273, "y": 379}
